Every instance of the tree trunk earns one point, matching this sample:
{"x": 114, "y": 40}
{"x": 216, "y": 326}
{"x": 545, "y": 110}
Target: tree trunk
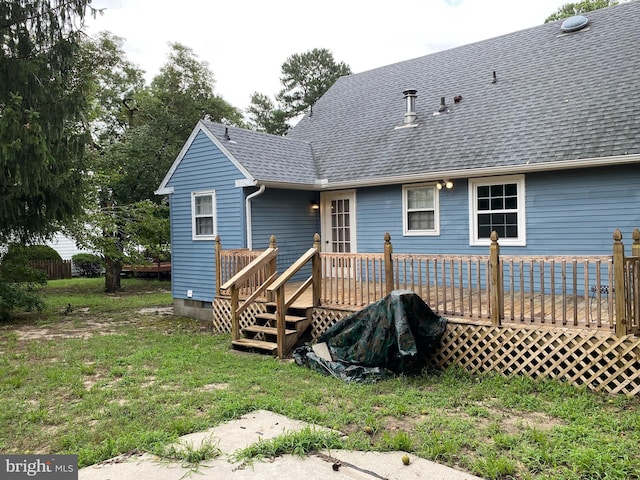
{"x": 113, "y": 269}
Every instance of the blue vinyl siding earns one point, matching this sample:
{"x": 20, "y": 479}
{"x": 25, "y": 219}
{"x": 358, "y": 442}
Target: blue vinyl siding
{"x": 203, "y": 167}
{"x": 567, "y": 212}
{"x": 287, "y": 214}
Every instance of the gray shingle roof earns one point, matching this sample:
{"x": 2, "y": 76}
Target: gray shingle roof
{"x": 558, "y": 97}
{"x": 268, "y": 158}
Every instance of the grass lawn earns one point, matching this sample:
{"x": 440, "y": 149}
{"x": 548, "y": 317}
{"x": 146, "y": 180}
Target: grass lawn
{"x": 99, "y": 375}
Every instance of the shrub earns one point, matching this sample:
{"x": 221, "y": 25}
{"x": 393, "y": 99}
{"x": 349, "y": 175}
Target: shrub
{"x": 17, "y": 283}
{"x": 88, "y": 264}
{"x": 32, "y": 252}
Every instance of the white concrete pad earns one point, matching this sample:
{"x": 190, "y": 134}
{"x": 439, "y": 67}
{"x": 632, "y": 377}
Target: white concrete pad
{"x": 263, "y": 425}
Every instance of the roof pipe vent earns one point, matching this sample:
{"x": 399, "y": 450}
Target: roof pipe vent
{"x": 443, "y": 105}
{"x": 410, "y": 115}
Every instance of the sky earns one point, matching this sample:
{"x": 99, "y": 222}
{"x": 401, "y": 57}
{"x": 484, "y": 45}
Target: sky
{"x": 245, "y": 42}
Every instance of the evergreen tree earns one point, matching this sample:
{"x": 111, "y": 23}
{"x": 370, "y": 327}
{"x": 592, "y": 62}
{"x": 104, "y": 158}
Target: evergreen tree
{"x": 42, "y": 115}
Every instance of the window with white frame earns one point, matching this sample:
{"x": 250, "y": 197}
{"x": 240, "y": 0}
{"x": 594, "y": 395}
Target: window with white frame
{"x": 420, "y": 210}
{"x": 203, "y": 215}
{"x": 497, "y": 204}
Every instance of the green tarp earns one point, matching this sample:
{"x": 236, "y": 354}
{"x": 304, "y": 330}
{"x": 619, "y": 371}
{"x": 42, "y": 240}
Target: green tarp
{"x": 394, "y": 335}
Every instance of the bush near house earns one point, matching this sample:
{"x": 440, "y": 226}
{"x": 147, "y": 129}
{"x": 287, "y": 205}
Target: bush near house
{"x": 88, "y": 264}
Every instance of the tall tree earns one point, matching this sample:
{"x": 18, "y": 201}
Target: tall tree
{"x": 306, "y": 77}
{"x": 42, "y": 104}
{"x": 576, "y": 8}
{"x": 138, "y": 141}
{"x": 266, "y": 117}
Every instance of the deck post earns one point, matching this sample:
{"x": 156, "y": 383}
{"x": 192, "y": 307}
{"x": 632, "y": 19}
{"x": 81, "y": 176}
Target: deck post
{"x": 618, "y": 283}
{"x": 271, "y": 269}
{"x": 496, "y": 280}
{"x": 218, "y": 247}
{"x": 316, "y": 271}
{"x": 388, "y": 263}
{"x": 280, "y": 321}
{"x": 235, "y": 320}
{"x": 635, "y": 247}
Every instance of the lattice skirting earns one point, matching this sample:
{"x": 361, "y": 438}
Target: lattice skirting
{"x": 578, "y": 356}
{"x": 601, "y": 361}
{"x": 222, "y": 315}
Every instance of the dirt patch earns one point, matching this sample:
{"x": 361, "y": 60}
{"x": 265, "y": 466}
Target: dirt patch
{"x": 67, "y": 329}
{"x": 156, "y": 311}
{"x": 214, "y": 386}
{"x": 537, "y": 420}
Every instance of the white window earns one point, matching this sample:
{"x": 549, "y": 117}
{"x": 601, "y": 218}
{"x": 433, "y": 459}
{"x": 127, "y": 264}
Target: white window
{"x": 420, "y": 210}
{"x": 497, "y": 204}
{"x": 203, "y": 215}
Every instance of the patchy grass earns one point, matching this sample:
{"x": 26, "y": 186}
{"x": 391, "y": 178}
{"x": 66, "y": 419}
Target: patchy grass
{"x": 117, "y": 379}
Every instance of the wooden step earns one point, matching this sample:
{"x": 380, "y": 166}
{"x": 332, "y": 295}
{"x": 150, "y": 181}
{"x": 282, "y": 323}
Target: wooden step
{"x": 267, "y": 330}
{"x": 287, "y": 318}
{"x": 250, "y": 344}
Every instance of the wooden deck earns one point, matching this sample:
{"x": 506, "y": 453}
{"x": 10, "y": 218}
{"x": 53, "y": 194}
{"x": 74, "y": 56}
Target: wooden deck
{"x": 591, "y": 311}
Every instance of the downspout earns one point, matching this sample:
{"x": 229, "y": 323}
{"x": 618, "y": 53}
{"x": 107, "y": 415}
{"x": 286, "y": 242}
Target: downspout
{"x": 260, "y": 191}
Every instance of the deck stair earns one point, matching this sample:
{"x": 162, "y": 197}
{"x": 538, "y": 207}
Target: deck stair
{"x": 262, "y": 337}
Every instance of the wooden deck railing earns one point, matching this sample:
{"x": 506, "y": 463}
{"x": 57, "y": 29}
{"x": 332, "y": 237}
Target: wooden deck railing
{"x": 278, "y": 289}
{"x": 250, "y": 281}
{"x": 588, "y": 291}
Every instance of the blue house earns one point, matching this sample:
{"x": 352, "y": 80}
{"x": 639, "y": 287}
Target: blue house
{"x": 534, "y": 135}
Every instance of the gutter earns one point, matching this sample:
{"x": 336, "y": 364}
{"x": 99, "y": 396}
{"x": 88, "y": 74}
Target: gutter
{"x": 247, "y": 200}
{"x": 488, "y": 171}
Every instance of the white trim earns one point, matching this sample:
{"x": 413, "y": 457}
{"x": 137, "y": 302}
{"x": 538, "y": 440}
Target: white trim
{"x": 200, "y": 127}
{"x": 436, "y": 211}
{"x": 325, "y": 218}
{"x": 521, "y": 212}
{"x": 164, "y": 191}
{"x": 487, "y": 171}
{"x": 214, "y": 214}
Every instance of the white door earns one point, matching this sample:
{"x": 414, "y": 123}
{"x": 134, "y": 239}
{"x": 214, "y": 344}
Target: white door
{"x": 339, "y": 221}
{"x": 338, "y": 211}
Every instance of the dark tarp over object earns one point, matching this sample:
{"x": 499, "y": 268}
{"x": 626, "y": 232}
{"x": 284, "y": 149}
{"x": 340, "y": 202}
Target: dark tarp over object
{"x": 394, "y": 335}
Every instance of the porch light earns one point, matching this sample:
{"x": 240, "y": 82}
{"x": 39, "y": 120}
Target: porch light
{"x": 314, "y": 205}
{"x": 448, "y": 184}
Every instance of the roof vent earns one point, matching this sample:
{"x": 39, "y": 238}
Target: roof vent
{"x": 575, "y": 23}
{"x": 410, "y": 96}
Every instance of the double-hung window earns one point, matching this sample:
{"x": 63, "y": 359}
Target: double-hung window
{"x": 497, "y": 204}
{"x": 203, "y": 215}
{"x": 420, "y": 210}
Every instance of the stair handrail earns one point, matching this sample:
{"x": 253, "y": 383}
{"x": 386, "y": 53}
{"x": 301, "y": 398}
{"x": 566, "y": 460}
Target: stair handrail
{"x": 278, "y": 287}
{"x": 265, "y": 259}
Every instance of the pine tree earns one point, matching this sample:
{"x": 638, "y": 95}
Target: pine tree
{"x": 42, "y": 106}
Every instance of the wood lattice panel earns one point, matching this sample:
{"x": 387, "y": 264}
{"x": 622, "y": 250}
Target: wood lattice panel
{"x": 222, "y": 315}
{"x": 580, "y": 357}
{"x": 322, "y": 319}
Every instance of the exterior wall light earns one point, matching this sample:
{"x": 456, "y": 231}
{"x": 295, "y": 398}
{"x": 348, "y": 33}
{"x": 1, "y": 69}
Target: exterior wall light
{"x": 448, "y": 184}
{"x": 314, "y": 205}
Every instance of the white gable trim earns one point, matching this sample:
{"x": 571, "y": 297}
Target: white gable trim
{"x": 200, "y": 127}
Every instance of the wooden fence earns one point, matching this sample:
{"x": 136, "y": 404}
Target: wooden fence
{"x": 54, "y": 269}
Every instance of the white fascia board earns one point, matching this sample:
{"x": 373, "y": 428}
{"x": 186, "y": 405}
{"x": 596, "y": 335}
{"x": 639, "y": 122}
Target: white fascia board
{"x": 164, "y": 191}
{"x": 245, "y": 182}
{"x": 487, "y": 171}
{"x": 197, "y": 129}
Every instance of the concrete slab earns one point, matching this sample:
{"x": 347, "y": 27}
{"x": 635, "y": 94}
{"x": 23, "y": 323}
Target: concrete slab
{"x": 261, "y": 424}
